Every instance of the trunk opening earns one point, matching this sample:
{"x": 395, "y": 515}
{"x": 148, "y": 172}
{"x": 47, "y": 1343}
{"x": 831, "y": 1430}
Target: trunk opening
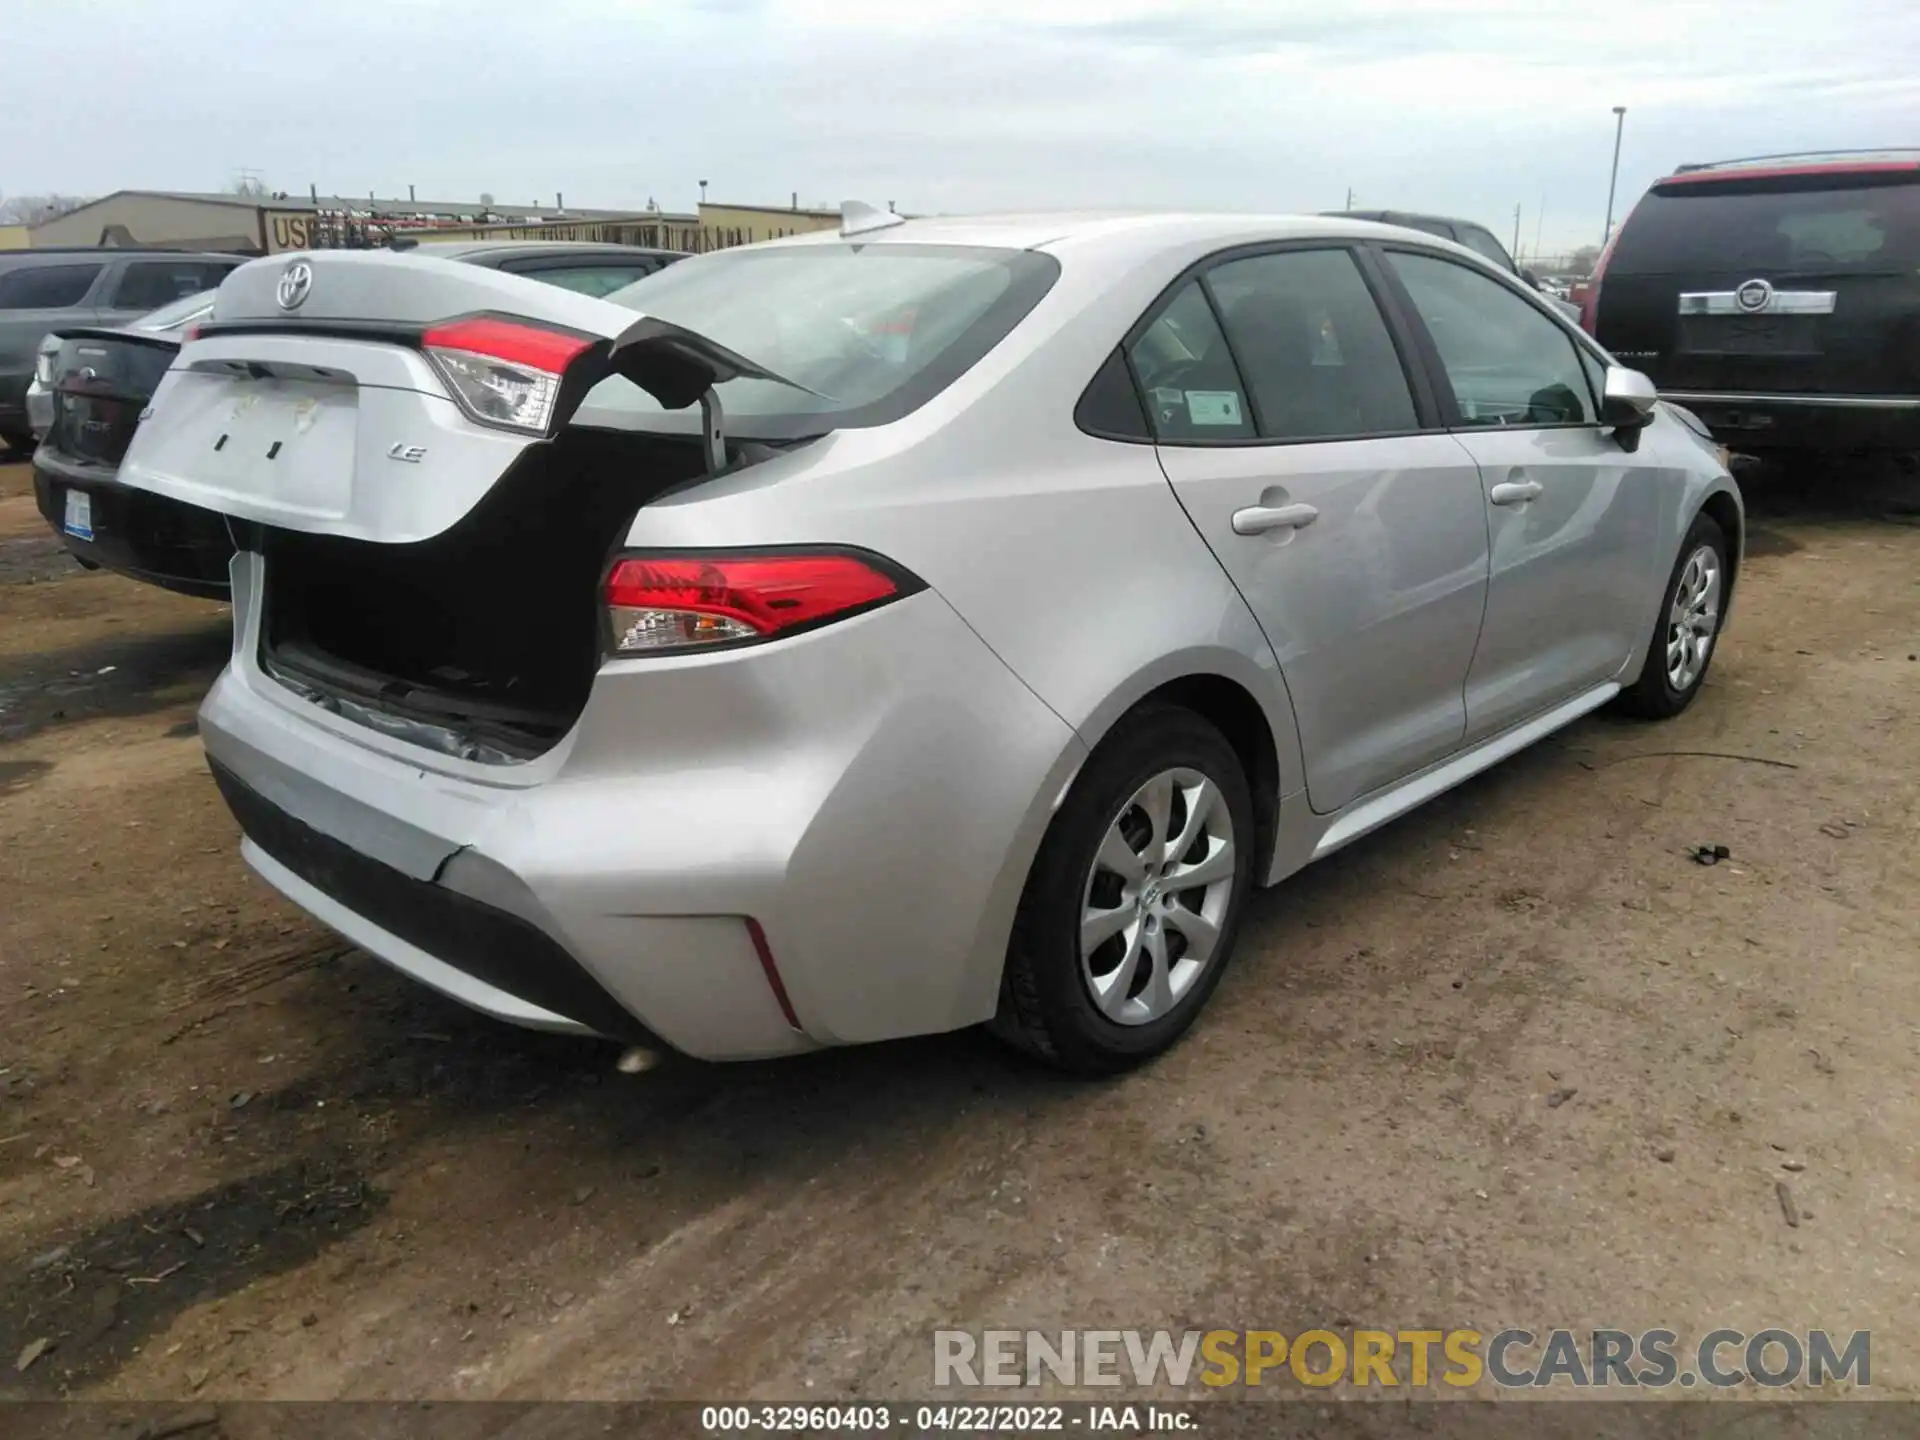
{"x": 482, "y": 641}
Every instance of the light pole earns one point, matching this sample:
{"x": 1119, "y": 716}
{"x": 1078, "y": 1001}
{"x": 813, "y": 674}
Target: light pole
{"x": 1619, "y": 124}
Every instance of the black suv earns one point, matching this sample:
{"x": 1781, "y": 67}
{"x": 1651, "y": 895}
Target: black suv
{"x": 1778, "y": 298}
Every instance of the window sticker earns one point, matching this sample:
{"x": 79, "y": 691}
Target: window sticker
{"x": 1213, "y": 407}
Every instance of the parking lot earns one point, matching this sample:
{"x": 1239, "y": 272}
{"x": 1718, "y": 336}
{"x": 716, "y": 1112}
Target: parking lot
{"x": 1517, "y": 1059}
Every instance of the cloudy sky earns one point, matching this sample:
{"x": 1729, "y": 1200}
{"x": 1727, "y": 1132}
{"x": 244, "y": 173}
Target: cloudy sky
{"x": 1467, "y": 107}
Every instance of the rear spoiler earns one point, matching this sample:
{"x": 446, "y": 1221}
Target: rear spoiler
{"x": 159, "y": 340}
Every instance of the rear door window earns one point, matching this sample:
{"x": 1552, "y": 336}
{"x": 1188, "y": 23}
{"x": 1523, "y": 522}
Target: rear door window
{"x": 1719, "y": 225}
{"x": 1507, "y": 363}
{"x": 149, "y": 284}
{"x": 46, "y": 287}
{"x": 1313, "y": 346}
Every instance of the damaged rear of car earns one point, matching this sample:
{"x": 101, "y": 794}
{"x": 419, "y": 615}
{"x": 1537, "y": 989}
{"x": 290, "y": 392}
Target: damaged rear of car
{"x": 561, "y": 777}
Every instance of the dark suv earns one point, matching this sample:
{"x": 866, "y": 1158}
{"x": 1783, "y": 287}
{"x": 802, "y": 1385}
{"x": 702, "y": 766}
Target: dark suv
{"x": 41, "y": 290}
{"x": 1778, "y": 298}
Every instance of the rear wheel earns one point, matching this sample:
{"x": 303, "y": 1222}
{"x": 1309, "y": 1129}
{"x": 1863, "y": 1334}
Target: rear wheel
{"x": 1133, "y": 903}
{"x": 1684, "y": 633}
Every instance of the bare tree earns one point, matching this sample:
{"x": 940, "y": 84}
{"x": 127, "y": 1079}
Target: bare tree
{"x": 1582, "y": 261}
{"x": 33, "y": 209}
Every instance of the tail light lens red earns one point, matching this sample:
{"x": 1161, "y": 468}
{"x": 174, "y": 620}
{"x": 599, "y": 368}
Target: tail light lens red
{"x": 657, "y": 604}
{"x": 504, "y": 373}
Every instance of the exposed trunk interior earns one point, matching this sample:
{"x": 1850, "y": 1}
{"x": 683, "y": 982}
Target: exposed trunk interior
{"x": 484, "y": 640}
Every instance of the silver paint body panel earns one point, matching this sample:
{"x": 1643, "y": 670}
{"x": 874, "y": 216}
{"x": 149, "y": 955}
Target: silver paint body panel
{"x": 873, "y": 792}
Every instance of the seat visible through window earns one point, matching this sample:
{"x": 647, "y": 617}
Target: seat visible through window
{"x": 1313, "y": 346}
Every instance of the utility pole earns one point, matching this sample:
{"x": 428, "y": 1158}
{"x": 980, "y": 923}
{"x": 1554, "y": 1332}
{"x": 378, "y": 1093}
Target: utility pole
{"x": 1516, "y": 230}
{"x": 1619, "y": 124}
{"x": 1539, "y": 219}
{"x": 1349, "y": 197}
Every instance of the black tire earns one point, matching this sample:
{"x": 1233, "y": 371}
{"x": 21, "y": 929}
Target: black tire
{"x": 18, "y": 443}
{"x": 1654, "y": 696}
{"x": 1046, "y": 1008}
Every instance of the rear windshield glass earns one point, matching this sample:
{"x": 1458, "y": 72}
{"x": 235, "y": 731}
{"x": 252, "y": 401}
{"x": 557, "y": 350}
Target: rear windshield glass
{"x": 876, "y": 330}
{"x": 1712, "y": 225}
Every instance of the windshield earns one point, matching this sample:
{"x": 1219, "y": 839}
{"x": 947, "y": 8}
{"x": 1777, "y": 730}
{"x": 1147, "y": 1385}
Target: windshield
{"x": 183, "y": 311}
{"x": 876, "y": 330}
{"x": 1725, "y": 225}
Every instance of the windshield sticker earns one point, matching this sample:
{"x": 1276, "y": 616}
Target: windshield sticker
{"x": 1213, "y": 407}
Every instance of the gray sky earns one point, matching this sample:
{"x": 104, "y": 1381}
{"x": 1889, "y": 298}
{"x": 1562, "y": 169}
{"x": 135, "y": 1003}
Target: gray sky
{"x": 1467, "y": 107}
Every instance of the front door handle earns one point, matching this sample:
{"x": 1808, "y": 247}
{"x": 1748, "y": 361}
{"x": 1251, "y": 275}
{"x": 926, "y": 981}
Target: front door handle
{"x": 1514, "y": 492}
{"x": 1258, "y": 519}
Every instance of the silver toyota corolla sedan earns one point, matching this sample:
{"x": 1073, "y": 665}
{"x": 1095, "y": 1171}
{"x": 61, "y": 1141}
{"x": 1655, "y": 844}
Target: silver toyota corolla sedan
{"x": 933, "y": 623}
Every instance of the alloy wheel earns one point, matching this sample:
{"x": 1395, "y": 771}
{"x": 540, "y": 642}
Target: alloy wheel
{"x": 1694, "y": 618}
{"x": 1157, "y": 896}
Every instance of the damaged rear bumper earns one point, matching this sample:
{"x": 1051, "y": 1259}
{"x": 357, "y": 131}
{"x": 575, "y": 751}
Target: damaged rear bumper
{"x": 869, "y": 796}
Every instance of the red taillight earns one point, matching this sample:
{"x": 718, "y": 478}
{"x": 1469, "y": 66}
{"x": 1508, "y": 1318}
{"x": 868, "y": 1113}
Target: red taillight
{"x": 504, "y": 372}
{"x": 662, "y": 603}
{"x": 192, "y": 332}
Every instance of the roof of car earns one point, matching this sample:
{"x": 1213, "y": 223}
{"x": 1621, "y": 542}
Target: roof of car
{"x": 56, "y": 253}
{"x": 1046, "y": 230}
{"x": 1394, "y": 217}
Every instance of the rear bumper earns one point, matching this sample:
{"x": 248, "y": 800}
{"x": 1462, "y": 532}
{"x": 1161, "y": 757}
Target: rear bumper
{"x": 1765, "y": 421}
{"x": 870, "y": 794}
{"x": 147, "y": 537}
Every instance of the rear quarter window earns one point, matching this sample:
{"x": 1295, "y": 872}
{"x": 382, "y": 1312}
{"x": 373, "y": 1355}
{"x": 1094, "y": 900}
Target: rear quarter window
{"x": 1729, "y": 225}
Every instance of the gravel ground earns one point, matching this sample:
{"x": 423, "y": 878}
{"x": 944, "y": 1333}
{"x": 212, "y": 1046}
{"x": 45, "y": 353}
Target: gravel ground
{"x": 1516, "y": 1060}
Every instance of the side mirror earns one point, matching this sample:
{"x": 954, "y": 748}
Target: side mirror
{"x": 1531, "y": 278}
{"x": 1626, "y": 403}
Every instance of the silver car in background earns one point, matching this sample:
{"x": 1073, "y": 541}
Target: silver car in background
{"x": 934, "y": 623}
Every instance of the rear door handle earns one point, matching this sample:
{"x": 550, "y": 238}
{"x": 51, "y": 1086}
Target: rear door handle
{"x": 1258, "y": 519}
{"x": 1514, "y": 492}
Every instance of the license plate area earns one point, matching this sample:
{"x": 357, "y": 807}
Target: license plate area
{"x": 77, "y": 514}
{"x": 1750, "y": 334}
{"x": 292, "y": 442}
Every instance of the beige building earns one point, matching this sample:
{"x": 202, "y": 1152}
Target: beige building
{"x": 267, "y": 225}
{"x": 270, "y": 225}
{"x": 711, "y": 227}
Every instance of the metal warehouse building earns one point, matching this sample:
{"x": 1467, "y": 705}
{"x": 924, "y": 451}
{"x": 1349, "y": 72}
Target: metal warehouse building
{"x": 268, "y": 225}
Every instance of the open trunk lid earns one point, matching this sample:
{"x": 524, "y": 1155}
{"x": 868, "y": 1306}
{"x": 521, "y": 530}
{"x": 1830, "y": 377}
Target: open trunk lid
{"x": 360, "y": 394}
{"x": 1803, "y": 282}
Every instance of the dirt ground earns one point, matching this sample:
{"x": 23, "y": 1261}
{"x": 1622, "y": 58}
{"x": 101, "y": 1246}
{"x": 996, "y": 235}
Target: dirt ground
{"x": 1514, "y": 1060}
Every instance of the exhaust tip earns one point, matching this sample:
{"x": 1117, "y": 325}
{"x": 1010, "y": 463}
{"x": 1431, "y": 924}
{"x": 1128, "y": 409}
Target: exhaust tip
{"x": 637, "y": 1060}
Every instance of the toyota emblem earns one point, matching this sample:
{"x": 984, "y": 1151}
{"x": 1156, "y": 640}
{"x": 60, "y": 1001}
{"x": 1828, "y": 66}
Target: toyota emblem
{"x": 296, "y": 282}
{"x": 1754, "y": 296}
